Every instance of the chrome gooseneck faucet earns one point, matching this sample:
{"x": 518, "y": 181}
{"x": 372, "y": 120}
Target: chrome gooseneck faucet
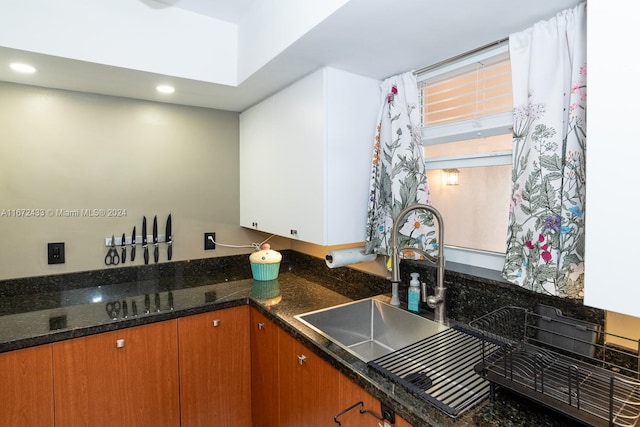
{"x": 436, "y": 301}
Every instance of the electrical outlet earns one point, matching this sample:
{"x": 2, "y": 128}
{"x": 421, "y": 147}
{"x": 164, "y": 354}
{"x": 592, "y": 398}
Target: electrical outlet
{"x": 55, "y": 253}
{"x": 209, "y": 241}
{"x": 58, "y": 322}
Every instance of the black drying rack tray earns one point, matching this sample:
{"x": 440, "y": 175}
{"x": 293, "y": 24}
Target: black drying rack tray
{"x": 566, "y": 364}
{"x": 440, "y": 370}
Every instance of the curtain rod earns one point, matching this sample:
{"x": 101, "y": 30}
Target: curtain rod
{"x": 462, "y": 55}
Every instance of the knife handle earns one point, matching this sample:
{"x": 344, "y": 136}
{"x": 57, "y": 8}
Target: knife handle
{"x": 156, "y": 253}
{"x": 133, "y": 253}
{"x": 124, "y": 255}
{"x": 146, "y": 255}
{"x": 169, "y": 251}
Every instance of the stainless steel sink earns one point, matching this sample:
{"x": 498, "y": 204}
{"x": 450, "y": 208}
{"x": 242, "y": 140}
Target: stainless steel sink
{"x": 370, "y": 328}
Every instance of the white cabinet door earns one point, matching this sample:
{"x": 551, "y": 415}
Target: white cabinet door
{"x": 611, "y": 248}
{"x": 299, "y": 142}
{"x": 312, "y": 145}
{"x": 352, "y": 103}
{"x": 257, "y": 158}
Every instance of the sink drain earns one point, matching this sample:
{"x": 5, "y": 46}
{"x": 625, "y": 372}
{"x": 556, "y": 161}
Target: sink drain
{"x": 420, "y": 380}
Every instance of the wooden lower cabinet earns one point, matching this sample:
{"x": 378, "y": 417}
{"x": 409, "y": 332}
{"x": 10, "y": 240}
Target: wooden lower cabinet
{"x": 231, "y": 367}
{"x": 215, "y": 368}
{"x": 350, "y": 394}
{"x": 124, "y": 377}
{"x": 308, "y": 386}
{"x": 26, "y": 387}
{"x": 265, "y": 398}
{"x": 292, "y": 386}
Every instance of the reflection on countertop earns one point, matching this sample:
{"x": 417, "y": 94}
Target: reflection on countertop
{"x": 128, "y": 306}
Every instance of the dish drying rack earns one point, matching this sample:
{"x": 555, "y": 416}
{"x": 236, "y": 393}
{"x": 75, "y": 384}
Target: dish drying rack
{"x": 566, "y": 364}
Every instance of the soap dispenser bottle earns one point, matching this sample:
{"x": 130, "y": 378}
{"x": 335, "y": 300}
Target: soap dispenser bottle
{"x": 414, "y": 293}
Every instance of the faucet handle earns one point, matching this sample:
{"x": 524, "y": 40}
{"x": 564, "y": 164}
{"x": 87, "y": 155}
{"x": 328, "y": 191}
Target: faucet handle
{"x": 435, "y": 300}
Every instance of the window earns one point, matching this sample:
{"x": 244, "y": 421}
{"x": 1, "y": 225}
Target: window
{"x": 467, "y": 126}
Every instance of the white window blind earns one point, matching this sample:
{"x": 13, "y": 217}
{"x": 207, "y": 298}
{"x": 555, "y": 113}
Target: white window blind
{"x": 470, "y": 98}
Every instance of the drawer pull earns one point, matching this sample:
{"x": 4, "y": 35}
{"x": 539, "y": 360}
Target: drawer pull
{"x": 216, "y": 323}
{"x": 120, "y": 343}
{"x": 301, "y": 359}
{"x": 261, "y": 325}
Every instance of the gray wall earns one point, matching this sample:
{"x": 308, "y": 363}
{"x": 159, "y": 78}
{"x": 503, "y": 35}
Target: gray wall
{"x": 62, "y": 150}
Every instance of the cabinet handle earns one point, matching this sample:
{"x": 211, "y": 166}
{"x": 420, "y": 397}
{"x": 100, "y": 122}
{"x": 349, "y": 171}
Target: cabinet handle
{"x": 120, "y": 343}
{"x": 294, "y": 232}
{"x": 254, "y": 224}
{"x": 261, "y": 325}
{"x": 216, "y": 323}
{"x": 301, "y": 359}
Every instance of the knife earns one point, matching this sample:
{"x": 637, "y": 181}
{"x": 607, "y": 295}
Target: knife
{"x": 156, "y": 253}
{"x": 168, "y": 238}
{"x": 133, "y": 244}
{"x": 124, "y": 249}
{"x": 144, "y": 240}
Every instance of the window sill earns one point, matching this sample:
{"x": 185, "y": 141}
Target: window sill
{"x": 479, "y": 272}
{"x": 472, "y": 263}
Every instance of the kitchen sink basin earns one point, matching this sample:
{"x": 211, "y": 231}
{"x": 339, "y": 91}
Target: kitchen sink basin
{"x": 370, "y": 328}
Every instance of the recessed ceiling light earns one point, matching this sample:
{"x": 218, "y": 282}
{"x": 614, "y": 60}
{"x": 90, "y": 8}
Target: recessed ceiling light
{"x": 22, "y": 68}
{"x": 165, "y": 89}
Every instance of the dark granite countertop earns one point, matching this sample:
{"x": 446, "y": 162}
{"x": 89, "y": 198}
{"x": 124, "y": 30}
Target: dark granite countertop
{"x": 78, "y": 311}
{"x": 83, "y": 312}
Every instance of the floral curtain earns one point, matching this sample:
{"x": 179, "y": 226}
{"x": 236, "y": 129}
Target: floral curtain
{"x": 545, "y": 242}
{"x": 398, "y": 177}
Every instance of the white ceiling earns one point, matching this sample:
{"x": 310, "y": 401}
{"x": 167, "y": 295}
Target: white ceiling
{"x": 376, "y": 38}
{"x": 225, "y": 10}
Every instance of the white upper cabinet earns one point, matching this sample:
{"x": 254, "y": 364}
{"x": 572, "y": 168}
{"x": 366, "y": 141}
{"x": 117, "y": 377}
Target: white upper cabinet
{"x": 613, "y": 155}
{"x": 305, "y": 158}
